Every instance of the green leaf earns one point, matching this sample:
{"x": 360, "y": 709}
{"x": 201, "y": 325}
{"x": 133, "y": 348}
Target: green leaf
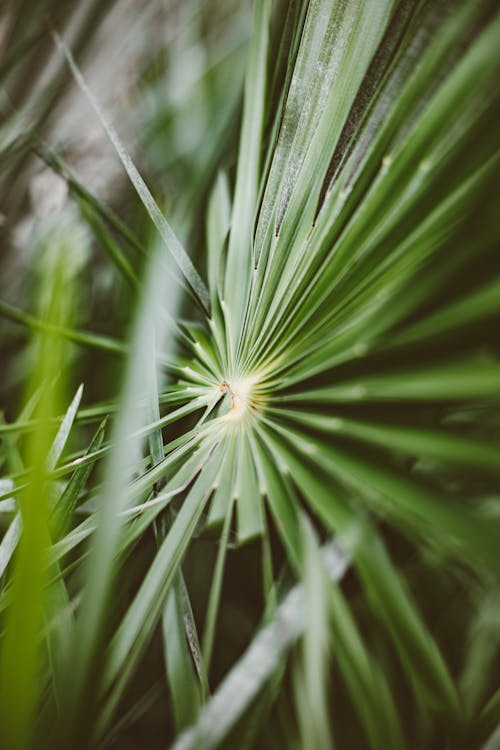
{"x": 364, "y": 678}
{"x": 384, "y": 588}
{"x": 137, "y": 626}
{"x": 218, "y": 225}
{"x": 216, "y": 587}
{"x": 163, "y": 227}
{"x": 67, "y": 501}
{"x": 257, "y": 665}
{"x": 184, "y": 686}
{"x": 239, "y": 254}
{"x": 247, "y": 492}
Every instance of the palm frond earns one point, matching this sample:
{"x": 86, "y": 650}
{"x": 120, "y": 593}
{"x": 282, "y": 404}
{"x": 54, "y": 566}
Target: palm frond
{"x": 338, "y": 374}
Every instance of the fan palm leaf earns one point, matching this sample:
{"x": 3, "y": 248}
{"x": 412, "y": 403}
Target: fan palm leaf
{"x": 341, "y": 372}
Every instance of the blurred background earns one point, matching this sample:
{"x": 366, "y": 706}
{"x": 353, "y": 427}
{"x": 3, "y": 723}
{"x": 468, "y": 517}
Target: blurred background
{"x": 169, "y": 76}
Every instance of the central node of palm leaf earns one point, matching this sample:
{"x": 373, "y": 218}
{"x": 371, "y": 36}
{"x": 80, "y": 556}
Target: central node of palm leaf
{"x": 241, "y": 392}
